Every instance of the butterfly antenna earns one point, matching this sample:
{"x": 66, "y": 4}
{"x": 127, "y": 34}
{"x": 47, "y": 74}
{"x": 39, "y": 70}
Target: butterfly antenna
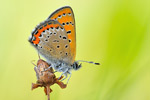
{"x": 88, "y": 62}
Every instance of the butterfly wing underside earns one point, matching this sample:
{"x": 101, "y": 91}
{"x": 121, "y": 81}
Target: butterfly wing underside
{"x": 51, "y": 40}
{"x": 65, "y": 17}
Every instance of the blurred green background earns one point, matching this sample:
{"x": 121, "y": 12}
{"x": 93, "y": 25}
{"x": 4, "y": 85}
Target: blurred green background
{"x": 115, "y": 33}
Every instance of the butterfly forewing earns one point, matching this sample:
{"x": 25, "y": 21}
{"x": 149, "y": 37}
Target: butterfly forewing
{"x": 51, "y": 40}
{"x": 65, "y": 17}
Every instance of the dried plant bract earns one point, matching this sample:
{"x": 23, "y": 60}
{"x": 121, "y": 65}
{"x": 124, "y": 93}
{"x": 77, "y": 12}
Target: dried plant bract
{"x": 46, "y": 77}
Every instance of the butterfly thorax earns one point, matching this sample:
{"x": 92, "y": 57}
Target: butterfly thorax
{"x": 61, "y": 66}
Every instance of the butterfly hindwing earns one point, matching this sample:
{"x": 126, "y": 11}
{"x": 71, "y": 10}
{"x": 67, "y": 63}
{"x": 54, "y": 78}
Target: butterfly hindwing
{"x": 51, "y": 40}
{"x": 65, "y": 17}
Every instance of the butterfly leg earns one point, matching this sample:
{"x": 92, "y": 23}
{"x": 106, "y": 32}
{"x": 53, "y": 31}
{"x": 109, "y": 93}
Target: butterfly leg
{"x": 65, "y": 73}
{"x": 37, "y": 73}
{"x": 59, "y": 69}
{"x": 69, "y": 76}
{"x": 51, "y": 66}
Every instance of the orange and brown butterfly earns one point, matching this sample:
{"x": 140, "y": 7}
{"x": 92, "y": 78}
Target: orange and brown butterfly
{"x": 46, "y": 78}
{"x": 55, "y": 39}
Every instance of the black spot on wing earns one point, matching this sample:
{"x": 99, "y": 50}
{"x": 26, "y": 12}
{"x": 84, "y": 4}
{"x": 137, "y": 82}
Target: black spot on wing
{"x": 64, "y": 14}
{"x": 68, "y": 32}
{"x": 67, "y": 23}
{"x": 66, "y": 46}
{"x": 63, "y": 24}
{"x": 64, "y": 38}
{"x": 69, "y": 40}
{"x": 66, "y": 53}
{"x": 58, "y": 46}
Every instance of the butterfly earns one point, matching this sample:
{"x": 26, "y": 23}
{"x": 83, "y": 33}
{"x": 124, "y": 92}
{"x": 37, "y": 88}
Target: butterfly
{"x": 55, "y": 39}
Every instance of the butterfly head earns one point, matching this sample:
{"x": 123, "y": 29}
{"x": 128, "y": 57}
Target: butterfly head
{"x": 76, "y": 65}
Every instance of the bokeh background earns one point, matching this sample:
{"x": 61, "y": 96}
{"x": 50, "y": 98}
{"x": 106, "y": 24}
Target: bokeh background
{"x": 115, "y": 33}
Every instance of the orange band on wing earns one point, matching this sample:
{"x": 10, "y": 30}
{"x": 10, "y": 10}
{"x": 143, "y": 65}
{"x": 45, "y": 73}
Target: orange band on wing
{"x": 36, "y": 41}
